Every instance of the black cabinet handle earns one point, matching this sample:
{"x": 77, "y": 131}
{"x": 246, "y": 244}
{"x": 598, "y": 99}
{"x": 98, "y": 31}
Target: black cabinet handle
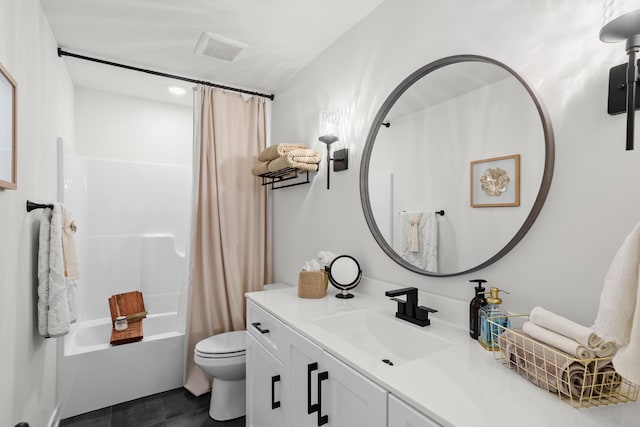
{"x": 322, "y": 419}
{"x": 274, "y": 380}
{"x": 257, "y": 326}
{"x": 311, "y": 408}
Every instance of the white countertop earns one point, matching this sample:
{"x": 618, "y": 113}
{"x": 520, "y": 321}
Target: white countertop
{"x": 460, "y": 385}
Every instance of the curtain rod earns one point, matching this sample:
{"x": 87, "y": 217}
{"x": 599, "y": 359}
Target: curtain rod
{"x": 62, "y": 53}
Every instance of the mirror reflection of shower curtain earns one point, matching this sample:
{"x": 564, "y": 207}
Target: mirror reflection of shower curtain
{"x": 228, "y": 250}
{"x": 419, "y": 239}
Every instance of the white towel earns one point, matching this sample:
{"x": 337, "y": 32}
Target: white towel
{"x": 563, "y": 326}
{"x": 43, "y": 271}
{"x": 426, "y": 257}
{"x": 55, "y": 314}
{"x": 558, "y": 341}
{"x": 414, "y": 219}
{"x": 618, "y": 316}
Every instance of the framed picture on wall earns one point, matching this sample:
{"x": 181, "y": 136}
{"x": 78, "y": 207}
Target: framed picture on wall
{"x": 8, "y": 140}
{"x": 495, "y": 182}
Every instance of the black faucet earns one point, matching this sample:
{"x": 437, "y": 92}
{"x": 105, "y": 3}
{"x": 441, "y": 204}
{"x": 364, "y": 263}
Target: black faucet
{"x": 409, "y": 309}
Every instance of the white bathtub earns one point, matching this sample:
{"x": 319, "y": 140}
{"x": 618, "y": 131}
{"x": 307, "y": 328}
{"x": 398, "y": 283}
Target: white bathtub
{"x": 97, "y": 375}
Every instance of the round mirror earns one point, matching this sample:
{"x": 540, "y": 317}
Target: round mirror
{"x": 457, "y": 166}
{"x": 344, "y": 273}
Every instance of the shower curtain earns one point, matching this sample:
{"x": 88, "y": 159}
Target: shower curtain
{"x": 228, "y": 250}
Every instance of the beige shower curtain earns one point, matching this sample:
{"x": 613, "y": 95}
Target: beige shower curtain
{"x": 228, "y": 251}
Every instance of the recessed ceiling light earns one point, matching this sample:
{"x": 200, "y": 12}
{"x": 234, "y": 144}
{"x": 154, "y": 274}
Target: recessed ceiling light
{"x": 177, "y": 90}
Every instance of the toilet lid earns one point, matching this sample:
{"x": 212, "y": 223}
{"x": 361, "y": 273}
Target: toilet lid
{"x": 227, "y": 343}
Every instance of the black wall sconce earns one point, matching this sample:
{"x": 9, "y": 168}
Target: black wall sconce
{"x": 623, "y": 79}
{"x": 340, "y": 157}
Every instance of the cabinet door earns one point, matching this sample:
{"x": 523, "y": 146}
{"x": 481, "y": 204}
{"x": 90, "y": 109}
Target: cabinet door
{"x": 403, "y": 415}
{"x": 264, "y": 387}
{"x": 305, "y": 363}
{"x": 349, "y": 399}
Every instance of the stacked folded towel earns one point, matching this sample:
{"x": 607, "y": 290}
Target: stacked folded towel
{"x": 283, "y": 156}
{"x": 559, "y": 332}
{"x": 557, "y": 371}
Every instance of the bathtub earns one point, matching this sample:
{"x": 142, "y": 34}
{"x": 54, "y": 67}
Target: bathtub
{"x": 97, "y": 374}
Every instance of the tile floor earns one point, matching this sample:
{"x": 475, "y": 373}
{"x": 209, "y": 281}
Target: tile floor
{"x": 174, "y": 408}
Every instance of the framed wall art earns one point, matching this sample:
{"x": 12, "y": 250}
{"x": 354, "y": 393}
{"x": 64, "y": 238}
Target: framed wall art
{"x": 495, "y": 182}
{"x": 8, "y": 140}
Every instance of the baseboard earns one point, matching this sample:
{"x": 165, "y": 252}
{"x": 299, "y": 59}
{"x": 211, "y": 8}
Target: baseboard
{"x": 54, "y": 419}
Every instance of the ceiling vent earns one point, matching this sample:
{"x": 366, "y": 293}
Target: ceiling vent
{"x": 219, "y": 47}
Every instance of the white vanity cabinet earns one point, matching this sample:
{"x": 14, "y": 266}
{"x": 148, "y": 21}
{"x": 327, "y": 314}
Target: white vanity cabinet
{"x": 325, "y": 391}
{"x": 264, "y": 387}
{"x": 403, "y": 415}
{"x": 310, "y": 387}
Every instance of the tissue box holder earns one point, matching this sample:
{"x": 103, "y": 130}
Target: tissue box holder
{"x": 312, "y": 284}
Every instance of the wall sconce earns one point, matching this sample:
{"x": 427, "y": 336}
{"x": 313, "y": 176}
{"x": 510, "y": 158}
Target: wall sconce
{"x": 328, "y": 127}
{"x": 624, "y": 78}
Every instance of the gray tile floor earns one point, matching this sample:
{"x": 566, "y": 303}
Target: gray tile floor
{"x": 174, "y": 408}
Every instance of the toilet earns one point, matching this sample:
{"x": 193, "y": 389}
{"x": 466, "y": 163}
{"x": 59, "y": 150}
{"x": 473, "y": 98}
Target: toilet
{"x": 223, "y": 357}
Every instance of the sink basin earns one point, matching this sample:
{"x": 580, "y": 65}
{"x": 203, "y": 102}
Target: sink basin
{"x": 384, "y": 338}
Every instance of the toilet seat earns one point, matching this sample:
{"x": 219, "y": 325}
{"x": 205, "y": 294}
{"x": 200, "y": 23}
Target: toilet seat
{"x": 222, "y": 346}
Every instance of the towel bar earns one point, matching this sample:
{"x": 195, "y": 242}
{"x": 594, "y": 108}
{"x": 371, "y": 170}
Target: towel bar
{"x": 31, "y": 205}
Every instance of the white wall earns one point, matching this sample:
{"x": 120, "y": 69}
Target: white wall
{"x": 45, "y": 111}
{"x": 113, "y": 126}
{"x": 593, "y": 203}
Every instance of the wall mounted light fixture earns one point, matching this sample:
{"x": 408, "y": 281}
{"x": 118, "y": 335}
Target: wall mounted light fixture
{"x": 328, "y": 127}
{"x": 624, "y": 78}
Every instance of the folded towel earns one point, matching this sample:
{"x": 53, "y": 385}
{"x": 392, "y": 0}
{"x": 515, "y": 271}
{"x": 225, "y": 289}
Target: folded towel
{"x": 606, "y": 349}
{"x": 274, "y": 151}
{"x": 556, "y": 371}
{"x": 558, "y": 341}
{"x": 285, "y": 162}
{"x": 260, "y": 168}
{"x": 71, "y": 267}
{"x": 563, "y": 326}
{"x": 304, "y": 156}
{"x": 618, "y": 316}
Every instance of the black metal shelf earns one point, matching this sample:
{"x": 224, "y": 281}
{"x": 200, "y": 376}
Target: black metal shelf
{"x": 282, "y": 175}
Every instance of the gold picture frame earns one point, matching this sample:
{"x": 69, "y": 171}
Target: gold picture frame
{"x": 8, "y": 127}
{"x": 495, "y": 182}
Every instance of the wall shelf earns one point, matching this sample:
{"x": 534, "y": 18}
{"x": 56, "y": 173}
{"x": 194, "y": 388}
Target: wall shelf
{"x": 283, "y": 175}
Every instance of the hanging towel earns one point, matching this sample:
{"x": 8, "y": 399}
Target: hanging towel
{"x": 71, "y": 268}
{"x": 426, "y": 257}
{"x": 274, "y": 151}
{"x": 414, "y": 219}
{"x": 56, "y": 295}
{"x": 43, "y": 271}
{"x": 618, "y": 316}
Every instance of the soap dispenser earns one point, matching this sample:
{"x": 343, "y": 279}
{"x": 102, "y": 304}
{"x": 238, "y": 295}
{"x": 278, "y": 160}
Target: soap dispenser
{"x": 489, "y": 332}
{"x": 476, "y": 303}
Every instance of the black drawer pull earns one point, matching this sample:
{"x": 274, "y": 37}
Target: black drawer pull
{"x": 257, "y": 326}
{"x": 274, "y": 380}
{"x": 322, "y": 419}
{"x": 311, "y": 408}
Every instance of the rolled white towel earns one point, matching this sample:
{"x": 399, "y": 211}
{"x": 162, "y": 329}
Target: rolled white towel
{"x": 582, "y": 334}
{"x": 606, "y": 349}
{"x": 558, "y": 341}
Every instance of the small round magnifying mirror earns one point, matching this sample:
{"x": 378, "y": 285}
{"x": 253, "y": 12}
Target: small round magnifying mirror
{"x": 344, "y": 273}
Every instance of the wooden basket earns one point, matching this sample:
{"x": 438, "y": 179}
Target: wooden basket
{"x": 312, "y": 284}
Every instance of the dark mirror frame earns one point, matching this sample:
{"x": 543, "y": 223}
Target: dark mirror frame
{"x": 549, "y": 160}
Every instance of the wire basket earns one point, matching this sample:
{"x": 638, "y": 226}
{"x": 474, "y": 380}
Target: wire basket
{"x": 580, "y": 382}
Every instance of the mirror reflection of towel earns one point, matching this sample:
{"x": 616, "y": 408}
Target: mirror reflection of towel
{"x": 425, "y": 237}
